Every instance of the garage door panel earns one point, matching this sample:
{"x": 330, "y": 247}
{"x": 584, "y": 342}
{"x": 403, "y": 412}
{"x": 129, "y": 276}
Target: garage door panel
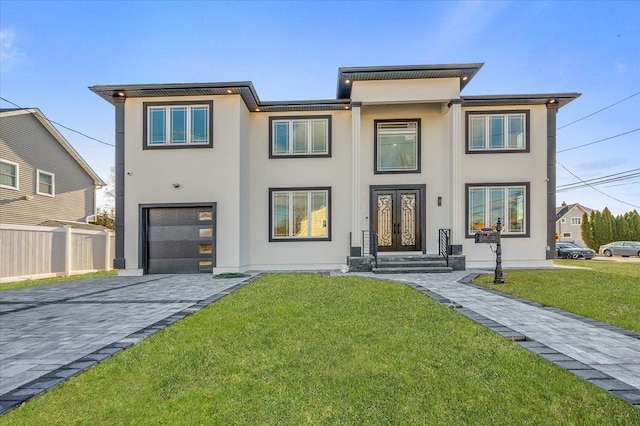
{"x": 179, "y": 266}
{"x": 178, "y": 233}
{"x": 179, "y": 249}
{"x": 179, "y": 216}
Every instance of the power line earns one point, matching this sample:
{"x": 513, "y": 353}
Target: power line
{"x": 596, "y": 189}
{"x": 63, "y": 126}
{"x": 598, "y": 141}
{"x": 597, "y": 182}
{"x": 603, "y": 177}
{"x": 605, "y": 108}
{"x": 624, "y": 184}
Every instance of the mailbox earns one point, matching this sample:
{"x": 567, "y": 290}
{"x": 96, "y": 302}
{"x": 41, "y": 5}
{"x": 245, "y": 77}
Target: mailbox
{"x": 486, "y": 237}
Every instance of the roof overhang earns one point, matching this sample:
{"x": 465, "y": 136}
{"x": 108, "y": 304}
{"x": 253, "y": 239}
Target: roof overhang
{"x": 347, "y": 75}
{"x": 559, "y": 99}
{"x": 243, "y": 88}
{"x": 59, "y": 138}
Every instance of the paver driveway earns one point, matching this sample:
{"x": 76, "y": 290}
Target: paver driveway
{"x": 50, "y": 333}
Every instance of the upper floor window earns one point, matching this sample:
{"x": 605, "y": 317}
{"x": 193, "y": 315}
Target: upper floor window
{"x": 397, "y": 146}
{"x": 299, "y": 214}
{"x": 486, "y": 203}
{"x": 300, "y": 136}
{"x": 45, "y": 184}
{"x": 497, "y": 131}
{"x": 177, "y": 125}
{"x": 576, "y": 221}
{"x": 8, "y": 174}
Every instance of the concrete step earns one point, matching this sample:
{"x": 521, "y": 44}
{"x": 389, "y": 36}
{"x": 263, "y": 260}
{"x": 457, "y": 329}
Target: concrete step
{"x": 409, "y": 257}
{"x": 412, "y": 270}
{"x": 416, "y": 263}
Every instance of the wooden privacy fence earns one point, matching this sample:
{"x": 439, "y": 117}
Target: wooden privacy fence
{"x": 29, "y": 252}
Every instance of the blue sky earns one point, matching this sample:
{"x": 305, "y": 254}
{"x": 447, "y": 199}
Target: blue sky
{"x": 52, "y": 51}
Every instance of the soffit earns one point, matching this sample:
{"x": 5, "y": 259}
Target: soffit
{"x": 561, "y": 99}
{"x": 244, "y": 89}
{"x": 347, "y": 75}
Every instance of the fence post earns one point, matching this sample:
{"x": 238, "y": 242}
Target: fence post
{"x": 67, "y": 250}
{"x": 107, "y": 250}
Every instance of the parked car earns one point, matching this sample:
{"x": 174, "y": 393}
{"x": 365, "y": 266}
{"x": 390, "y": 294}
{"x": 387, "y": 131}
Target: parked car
{"x": 622, "y": 248}
{"x": 572, "y": 251}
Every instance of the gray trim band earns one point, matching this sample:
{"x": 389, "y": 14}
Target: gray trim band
{"x": 552, "y": 110}
{"x": 119, "y": 260}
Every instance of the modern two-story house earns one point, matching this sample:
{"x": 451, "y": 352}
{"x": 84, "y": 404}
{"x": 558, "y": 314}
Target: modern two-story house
{"x": 211, "y": 178}
{"x": 41, "y": 176}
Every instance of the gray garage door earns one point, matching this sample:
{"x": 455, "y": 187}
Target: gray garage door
{"x": 180, "y": 240}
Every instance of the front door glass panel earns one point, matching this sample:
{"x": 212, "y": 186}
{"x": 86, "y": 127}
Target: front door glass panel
{"x": 396, "y": 218}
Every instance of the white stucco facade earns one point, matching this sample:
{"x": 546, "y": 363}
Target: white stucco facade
{"x": 237, "y": 172}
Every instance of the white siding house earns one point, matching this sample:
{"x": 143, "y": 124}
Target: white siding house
{"x": 209, "y": 178}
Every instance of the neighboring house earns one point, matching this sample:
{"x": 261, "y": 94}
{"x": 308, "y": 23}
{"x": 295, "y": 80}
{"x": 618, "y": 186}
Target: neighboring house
{"x": 41, "y": 176}
{"x": 568, "y": 221}
{"x": 211, "y": 178}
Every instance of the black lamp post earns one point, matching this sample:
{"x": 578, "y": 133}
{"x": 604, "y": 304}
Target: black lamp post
{"x": 498, "y": 277}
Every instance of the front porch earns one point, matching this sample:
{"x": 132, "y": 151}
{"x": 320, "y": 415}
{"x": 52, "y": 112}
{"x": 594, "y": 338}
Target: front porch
{"x": 368, "y": 258}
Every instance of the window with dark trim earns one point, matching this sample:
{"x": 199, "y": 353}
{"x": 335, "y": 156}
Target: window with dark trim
{"x": 397, "y": 146}
{"x": 177, "y": 124}
{"x": 486, "y": 202}
{"x": 300, "y": 136}
{"x": 300, "y": 214}
{"x": 497, "y": 131}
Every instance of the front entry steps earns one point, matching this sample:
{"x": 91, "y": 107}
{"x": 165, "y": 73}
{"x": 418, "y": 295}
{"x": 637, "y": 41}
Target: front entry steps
{"x": 411, "y": 264}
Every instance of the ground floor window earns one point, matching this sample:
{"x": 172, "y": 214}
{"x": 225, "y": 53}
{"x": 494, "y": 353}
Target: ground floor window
{"x": 298, "y": 214}
{"x": 488, "y": 202}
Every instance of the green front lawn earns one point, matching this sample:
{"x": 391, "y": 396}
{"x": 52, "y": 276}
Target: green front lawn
{"x": 607, "y": 291}
{"x": 306, "y": 349}
{"x": 47, "y": 281}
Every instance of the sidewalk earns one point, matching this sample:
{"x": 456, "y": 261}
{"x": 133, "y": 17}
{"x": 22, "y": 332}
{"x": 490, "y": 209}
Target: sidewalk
{"x": 605, "y": 355}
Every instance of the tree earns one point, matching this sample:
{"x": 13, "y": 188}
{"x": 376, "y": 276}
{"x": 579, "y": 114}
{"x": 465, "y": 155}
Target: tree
{"x": 586, "y": 229}
{"x": 106, "y": 218}
{"x": 634, "y": 225}
{"x": 602, "y": 228}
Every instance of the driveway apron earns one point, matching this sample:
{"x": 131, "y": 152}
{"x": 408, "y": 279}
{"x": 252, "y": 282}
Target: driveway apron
{"x": 50, "y": 333}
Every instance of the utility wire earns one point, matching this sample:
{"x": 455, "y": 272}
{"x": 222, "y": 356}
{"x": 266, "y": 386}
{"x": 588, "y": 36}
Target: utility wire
{"x": 604, "y": 179}
{"x": 598, "y": 141}
{"x": 63, "y": 126}
{"x": 605, "y": 108}
{"x": 578, "y": 185}
{"x": 596, "y": 189}
{"x": 624, "y": 184}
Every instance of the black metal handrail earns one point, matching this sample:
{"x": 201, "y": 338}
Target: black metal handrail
{"x": 444, "y": 239}
{"x": 370, "y": 245}
{"x": 373, "y": 247}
